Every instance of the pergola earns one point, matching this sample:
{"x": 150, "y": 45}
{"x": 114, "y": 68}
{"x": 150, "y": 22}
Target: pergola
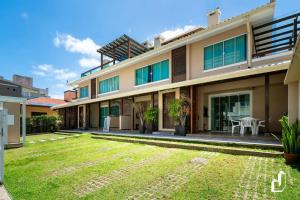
{"x": 121, "y": 49}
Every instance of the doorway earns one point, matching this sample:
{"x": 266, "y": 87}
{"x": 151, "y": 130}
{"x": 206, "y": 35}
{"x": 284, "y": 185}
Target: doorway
{"x": 227, "y": 107}
{"x": 81, "y": 116}
{"x": 168, "y": 122}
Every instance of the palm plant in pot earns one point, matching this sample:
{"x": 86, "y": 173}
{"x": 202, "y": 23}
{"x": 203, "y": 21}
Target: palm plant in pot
{"x": 151, "y": 117}
{"x": 290, "y": 139}
{"x": 139, "y": 107}
{"x": 179, "y": 110}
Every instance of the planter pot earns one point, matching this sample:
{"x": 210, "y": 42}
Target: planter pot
{"x": 180, "y": 130}
{"x": 149, "y": 128}
{"x": 290, "y": 158}
{"x": 141, "y": 129}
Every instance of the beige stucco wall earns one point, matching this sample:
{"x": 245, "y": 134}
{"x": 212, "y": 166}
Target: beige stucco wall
{"x": 278, "y": 98}
{"x": 293, "y": 103}
{"x": 14, "y": 130}
{"x": 30, "y": 109}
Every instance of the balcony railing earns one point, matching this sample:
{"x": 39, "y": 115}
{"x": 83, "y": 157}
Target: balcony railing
{"x": 95, "y": 69}
{"x": 276, "y": 36}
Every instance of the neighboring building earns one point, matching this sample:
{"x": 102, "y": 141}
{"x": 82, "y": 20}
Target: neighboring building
{"x": 28, "y": 91}
{"x": 41, "y": 106}
{"x": 11, "y": 99}
{"x": 231, "y": 69}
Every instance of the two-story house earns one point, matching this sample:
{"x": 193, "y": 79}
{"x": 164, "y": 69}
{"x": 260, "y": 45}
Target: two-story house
{"x": 230, "y": 69}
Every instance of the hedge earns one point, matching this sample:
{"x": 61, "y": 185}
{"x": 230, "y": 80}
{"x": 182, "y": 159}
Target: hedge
{"x": 41, "y": 124}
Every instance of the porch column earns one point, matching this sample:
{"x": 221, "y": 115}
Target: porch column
{"x": 267, "y": 101}
{"x": 121, "y": 107}
{"x": 293, "y": 101}
{"x": 249, "y": 43}
{"x": 24, "y": 121}
{"x": 193, "y": 114}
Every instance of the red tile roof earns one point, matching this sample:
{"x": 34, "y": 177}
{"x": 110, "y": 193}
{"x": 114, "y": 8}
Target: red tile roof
{"x": 44, "y": 101}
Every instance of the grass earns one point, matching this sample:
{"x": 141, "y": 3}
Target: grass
{"x": 85, "y": 168}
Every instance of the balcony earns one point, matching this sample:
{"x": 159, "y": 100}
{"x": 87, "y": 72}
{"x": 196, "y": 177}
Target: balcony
{"x": 116, "y": 51}
{"x": 276, "y": 36}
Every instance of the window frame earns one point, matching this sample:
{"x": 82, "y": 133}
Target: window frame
{"x": 151, "y": 73}
{"x": 80, "y": 93}
{"x": 109, "y": 86}
{"x": 223, "y": 41}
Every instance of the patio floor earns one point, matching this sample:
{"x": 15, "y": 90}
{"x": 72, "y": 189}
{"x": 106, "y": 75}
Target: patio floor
{"x": 263, "y": 140}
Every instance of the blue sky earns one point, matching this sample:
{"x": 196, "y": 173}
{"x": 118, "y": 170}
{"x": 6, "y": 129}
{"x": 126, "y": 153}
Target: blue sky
{"x": 55, "y": 40}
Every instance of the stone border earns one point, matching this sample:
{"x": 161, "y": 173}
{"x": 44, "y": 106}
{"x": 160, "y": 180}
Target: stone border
{"x": 193, "y": 147}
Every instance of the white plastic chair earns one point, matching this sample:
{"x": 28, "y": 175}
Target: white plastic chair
{"x": 235, "y": 124}
{"x": 248, "y": 122}
{"x": 261, "y": 123}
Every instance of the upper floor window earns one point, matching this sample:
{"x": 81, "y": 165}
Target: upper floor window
{"x": 109, "y": 85}
{"x": 155, "y": 72}
{"x": 225, "y": 53}
{"x": 84, "y": 92}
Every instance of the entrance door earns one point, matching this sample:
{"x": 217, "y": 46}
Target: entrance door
{"x": 227, "y": 107}
{"x": 168, "y": 122}
{"x": 103, "y": 114}
{"x": 81, "y": 117}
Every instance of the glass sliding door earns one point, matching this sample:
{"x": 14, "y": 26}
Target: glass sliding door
{"x": 224, "y": 108}
{"x": 103, "y": 114}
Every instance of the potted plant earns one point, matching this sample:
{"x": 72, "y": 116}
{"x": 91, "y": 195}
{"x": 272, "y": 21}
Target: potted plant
{"x": 290, "y": 139}
{"x": 150, "y": 117}
{"x": 179, "y": 109}
{"x": 140, "y": 110}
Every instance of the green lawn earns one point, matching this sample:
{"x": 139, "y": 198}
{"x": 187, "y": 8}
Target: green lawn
{"x": 51, "y": 167}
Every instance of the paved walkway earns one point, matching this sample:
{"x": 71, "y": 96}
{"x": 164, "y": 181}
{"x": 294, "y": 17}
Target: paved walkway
{"x": 3, "y": 193}
{"x": 201, "y": 138}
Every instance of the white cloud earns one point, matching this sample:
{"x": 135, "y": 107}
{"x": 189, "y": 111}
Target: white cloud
{"x": 88, "y": 62}
{"x": 63, "y": 74}
{"x": 169, "y": 34}
{"x": 86, "y": 47}
{"x": 45, "y": 67}
{"x": 24, "y": 15}
{"x": 71, "y": 44}
{"x": 46, "y": 70}
{"x": 39, "y": 73}
{"x": 172, "y": 33}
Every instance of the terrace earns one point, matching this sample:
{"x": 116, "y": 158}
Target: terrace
{"x": 116, "y": 51}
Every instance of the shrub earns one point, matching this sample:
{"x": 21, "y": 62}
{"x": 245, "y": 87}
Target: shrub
{"x": 151, "y": 115}
{"x": 179, "y": 109}
{"x": 43, "y": 123}
{"x": 290, "y": 136}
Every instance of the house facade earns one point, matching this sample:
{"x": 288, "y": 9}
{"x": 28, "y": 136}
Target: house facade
{"x": 231, "y": 69}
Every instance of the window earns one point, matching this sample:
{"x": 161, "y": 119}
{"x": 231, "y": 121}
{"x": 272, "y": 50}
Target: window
{"x": 109, "y": 85}
{"x": 155, "y": 72}
{"x": 225, "y": 53}
{"x": 84, "y": 92}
